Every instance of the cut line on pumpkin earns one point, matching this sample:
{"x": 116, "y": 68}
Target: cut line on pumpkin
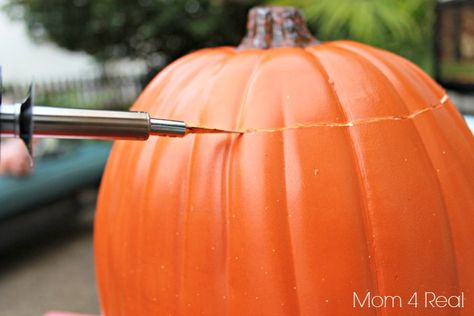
{"x": 355, "y": 122}
{"x": 441, "y": 103}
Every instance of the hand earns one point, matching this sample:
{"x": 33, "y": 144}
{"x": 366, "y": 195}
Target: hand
{"x": 14, "y": 158}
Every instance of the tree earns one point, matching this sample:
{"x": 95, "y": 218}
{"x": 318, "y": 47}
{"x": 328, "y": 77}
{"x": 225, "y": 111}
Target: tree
{"x": 156, "y": 31}
{"x": 159, "y": 31}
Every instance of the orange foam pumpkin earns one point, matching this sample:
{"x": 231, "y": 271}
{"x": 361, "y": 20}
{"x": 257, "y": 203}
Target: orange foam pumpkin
{"x": 355, "y": 174}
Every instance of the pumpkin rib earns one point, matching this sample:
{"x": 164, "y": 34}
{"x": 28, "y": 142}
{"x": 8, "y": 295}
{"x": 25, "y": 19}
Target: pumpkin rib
{"x": 443, "y": 193}
{"x": 188, "y": 197}
{"x": 201, "y": 110}
{"x": 385, "y": 59}
{"x": 212, "y": 87}
{"x": 226, "y": 179}
{"x": 182, "y": 223}
{"x": 180, "y": 106}
{"x": 423, "y": 78}
{"x": 167, "y": 96}
{"x": 412, "y": 68}
{"x": 185, "y": 200}
{"x": 107, "y": 281}
{"x": 280, "y": 287}
{"x": 102, "y": 219}
{"x": 178, "y": 219}
{"x": 253, "y": 77}
{"x": 162, "y": 79}
{"x": 185, "y": 225}
{"x": 468, "y": 168}
{"x": 429, "y": 158}
{"x": 157, "y": 145}
{"x": 447, "y": 221}
{"x": 241, "y": 302}
{"x": 276, "y": 114}
{"x": 388, "y": 283}
{"x": 442, "y": 189}
{"x": 137, "y": 215}
{"x": 173, "y": 109}
{"x": 289, "y": 240}
{"x": 215, "y": 77}
{"x": 145, "y": 177}
{"x": 316, "y": 291}
{"x": 380, "y": 62}
{"x": 103, "y": 252}
{"x": 224, "y": 187}
{"x": 459, "y": 122}
{"x": 362, "y": 186}
{"x": 226, "y": 196}
{"x": 119, "y": 221}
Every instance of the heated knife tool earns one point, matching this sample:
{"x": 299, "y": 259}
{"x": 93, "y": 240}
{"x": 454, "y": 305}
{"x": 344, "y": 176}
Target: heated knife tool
{"x": 27, "y": 120}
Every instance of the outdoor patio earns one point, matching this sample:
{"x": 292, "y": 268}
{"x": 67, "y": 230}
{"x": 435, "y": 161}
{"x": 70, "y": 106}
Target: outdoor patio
{"x": 54, "y": 272}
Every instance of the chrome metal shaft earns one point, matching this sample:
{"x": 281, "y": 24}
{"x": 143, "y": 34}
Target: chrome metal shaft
{"x": 10, "y": 120}
{"x": 83, "y": 123}
{"x": 168, "y": 127}
{"x": 60, "y": 122}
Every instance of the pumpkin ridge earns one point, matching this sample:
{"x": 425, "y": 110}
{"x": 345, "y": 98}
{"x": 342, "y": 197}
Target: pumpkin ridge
{"x": 455, "y": 115}
{"x": 168, "y": 104}
{"x": 423, "y": 78}
{"x": 375, "y": 63}
{"x": 123, "y": 256}
{"x": 211, "y": 86}
{"x": 157, "y": 146}
{"x": 157, "y": 84}
{"x": 184, "y": 223}
{"x": 171, "y": 112}
{"x": 458, "y": 121}
{"x": 141, "y": 209}
{"x": 226, "y": 176}
{"x": 362, "y": 185}
{"x": 248, "y": 88}
{"x": 289, "y": 239}
{"x": 429, "y": 158}
{"x": 382, "y": 58}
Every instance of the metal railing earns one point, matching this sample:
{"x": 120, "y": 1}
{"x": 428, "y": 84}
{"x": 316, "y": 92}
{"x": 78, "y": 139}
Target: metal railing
{"x": 111, "y": 92}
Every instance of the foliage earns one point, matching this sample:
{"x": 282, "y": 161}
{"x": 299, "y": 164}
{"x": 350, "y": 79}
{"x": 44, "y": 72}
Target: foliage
{"x": 401, "y": 26}
{"x": 159, "y": 31}
{"x": 153, "y": 30}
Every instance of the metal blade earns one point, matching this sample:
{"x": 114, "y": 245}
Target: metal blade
{"x": 26, "y": 120}
{"x": 206, "y": 130}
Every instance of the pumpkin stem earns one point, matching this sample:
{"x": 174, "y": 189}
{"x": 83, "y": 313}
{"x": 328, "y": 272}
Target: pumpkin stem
{"x": 269, "y": 27}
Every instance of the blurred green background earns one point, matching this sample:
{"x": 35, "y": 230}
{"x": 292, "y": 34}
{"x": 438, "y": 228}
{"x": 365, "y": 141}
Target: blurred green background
{"x": 159, "y": 31}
